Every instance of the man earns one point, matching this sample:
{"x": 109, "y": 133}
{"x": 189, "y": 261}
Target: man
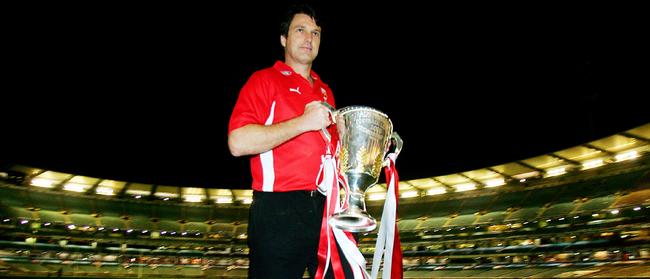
{"x": 277, "y": 120}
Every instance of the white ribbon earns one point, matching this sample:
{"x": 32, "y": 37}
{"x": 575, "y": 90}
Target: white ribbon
{"x": 351, "y": 252}
{"x": 328, "y": 170}
{"x": 386, "y": 233}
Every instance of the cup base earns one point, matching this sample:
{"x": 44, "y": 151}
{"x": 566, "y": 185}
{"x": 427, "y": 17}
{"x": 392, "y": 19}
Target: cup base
{"x": 353, "y": 223}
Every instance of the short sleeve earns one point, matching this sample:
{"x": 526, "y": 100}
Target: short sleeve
{"x": 253, "y": 104}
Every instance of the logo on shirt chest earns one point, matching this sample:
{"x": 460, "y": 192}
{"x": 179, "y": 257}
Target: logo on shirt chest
{"x": 297, "y": 90}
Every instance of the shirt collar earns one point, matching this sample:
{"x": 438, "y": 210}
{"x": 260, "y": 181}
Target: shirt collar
{"x": 287, "y": 71}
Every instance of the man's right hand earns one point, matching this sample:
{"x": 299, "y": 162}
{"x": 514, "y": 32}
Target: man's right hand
{"x": 316, "y": 116}
{"x": 257, "y": 138}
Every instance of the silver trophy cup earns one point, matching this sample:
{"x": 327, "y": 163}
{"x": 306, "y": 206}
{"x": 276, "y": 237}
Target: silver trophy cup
{"x": 366, "y": 136}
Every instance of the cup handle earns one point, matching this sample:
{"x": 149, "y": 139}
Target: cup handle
{"x": 397, "y": 141}
{"x": 326, "y": 135}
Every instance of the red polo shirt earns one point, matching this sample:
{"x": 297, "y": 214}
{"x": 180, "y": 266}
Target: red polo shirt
{"x": 273, "y": 95}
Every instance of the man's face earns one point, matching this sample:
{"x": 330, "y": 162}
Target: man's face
{"x": 301, "y": 44}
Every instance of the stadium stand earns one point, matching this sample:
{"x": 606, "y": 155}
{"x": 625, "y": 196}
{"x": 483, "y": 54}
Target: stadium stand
{"x": 587, "y": 221}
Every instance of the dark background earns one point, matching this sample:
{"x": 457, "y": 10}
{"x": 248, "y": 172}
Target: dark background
{"x": 143, "y": 93}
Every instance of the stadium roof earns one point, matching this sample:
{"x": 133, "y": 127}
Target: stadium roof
{"x": 623, "y": 146}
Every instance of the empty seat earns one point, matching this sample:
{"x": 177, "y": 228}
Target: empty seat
{"x": 434, "y": 223}
{"x": 492, "y": 217}
{"x": 112, "y": 222}
{"x": 444, "y": 208}
{"x": 51, "y": 216}
{"x": 476, "y": 204}
{"x": 634, "y": 198}
{"x": 196, "y": 227}
{"x": 83, "y": 219}
{"x": 560, "y": 209}
{"x": 407, "y": 211}
{"x": 597, "y": 204}
{"x": 168, "y": 225}
{"x": 140, "y": 222}
{"x": 17, "y": 212}
{"x": 197, "y": 213}
{"x": 224, "y": 229}
{"x": 540, "y": 197}
{"x": 407, "y": 224}
{"x": 462, "y": 220}
{"x": 526, "y": 213}
{"x": 508, "y": 200}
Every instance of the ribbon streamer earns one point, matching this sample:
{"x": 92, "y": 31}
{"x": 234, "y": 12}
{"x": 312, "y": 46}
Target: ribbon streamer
{"x": 388, "y": 244}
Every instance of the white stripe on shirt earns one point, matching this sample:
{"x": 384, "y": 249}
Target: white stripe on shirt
{"x": 268, "y": 172}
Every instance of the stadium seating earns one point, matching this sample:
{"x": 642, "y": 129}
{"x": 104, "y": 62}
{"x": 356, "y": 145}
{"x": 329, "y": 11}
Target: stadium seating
{"x": 587, "y": 223}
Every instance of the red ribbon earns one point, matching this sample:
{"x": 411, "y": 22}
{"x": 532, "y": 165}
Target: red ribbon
{"x": 327, "y": 241}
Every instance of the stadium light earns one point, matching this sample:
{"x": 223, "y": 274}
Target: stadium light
{"x": 436, "y": 191}
{"x": 246, "y": 200}
{"x": 494, "y": 182}
{"x": 592, "y": 164}
{"x": 410, "y": 194}
{"x": 104, "y": 191}
{"x": 193, "y": 198}
{"x": 555, "y": 171}
{"x": 223, "y": 199}
{"x": 626, "y": 155}
{"x": 465, "y": 187}
{"x": 376, "y": 196}
{"x": 526, "y": 175}
{"x": 75, "y": 187}
{"x": 43, "y": 182}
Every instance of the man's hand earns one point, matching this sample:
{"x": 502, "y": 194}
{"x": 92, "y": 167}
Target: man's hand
{"x": 315, "y": 117}
{"x": 257, "y": 138}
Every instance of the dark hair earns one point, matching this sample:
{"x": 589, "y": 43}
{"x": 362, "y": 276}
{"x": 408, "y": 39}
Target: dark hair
{"x": 291, "y": 12}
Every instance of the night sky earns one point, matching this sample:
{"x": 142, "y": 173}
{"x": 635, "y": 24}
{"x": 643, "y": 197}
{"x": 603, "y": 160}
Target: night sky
{"x": 144, "y": 93}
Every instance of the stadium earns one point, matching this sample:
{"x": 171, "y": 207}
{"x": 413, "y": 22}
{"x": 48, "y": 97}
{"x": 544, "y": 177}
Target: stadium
{"x": 114, "y": 161}
{"x": 583, "y": 211}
